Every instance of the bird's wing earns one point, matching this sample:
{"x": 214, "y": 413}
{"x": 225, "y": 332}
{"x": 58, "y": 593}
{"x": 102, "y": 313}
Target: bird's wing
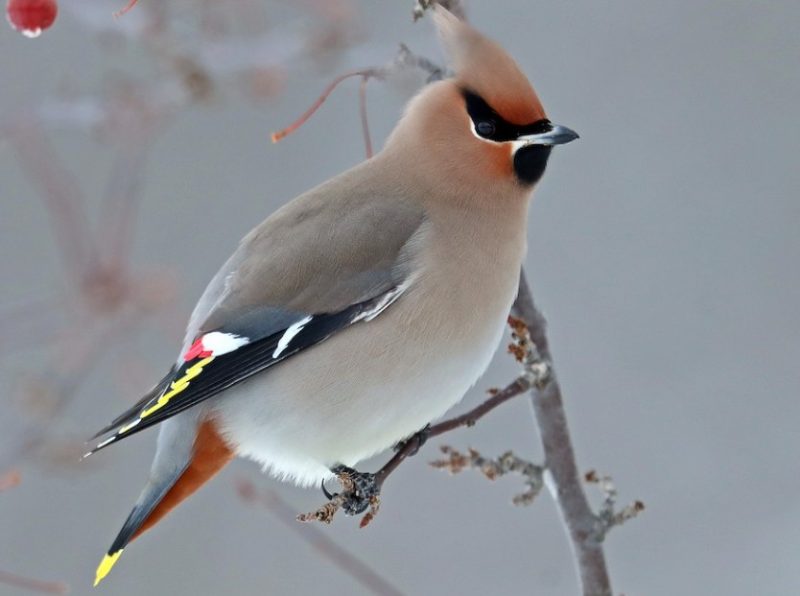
{"x": 307, "y": 272}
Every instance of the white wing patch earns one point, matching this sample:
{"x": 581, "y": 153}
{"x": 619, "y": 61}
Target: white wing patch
{"x": 366, "y": 315}
{"x": 289, "y": 334}
{"x": 219, "y": 343}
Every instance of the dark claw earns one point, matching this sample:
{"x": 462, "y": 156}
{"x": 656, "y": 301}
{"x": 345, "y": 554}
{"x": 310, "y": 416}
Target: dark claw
{"x": 325, "y": 492}
{"x": 365, "y": 488}
{"x": 419, "y": 438}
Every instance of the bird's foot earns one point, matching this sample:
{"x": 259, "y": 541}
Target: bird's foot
{"x": 360, "y": 490}
{"x": 415, "y": 441}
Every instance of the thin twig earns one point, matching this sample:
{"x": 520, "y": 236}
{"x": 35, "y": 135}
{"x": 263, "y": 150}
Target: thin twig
{"x": 285, "y": 132}
{"x": 362, "y": 109}
{"x": 405, "y": 59}
{"x": 118, "y": 13}
{"x": 609, "y": 516}
{"x": 517, "y": 387}
{"x": 31, "y": 583}
{"x": 317, "y": 539}
{"x": 456, "y": 462}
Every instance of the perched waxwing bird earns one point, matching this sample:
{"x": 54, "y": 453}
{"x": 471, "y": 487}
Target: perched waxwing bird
{"x": 363, "y": 309}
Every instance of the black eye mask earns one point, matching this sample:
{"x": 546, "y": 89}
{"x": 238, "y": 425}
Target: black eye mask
{"x": 491, "y": 126}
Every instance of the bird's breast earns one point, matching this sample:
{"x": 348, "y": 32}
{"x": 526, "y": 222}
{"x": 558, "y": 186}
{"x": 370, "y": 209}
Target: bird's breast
{"x": 377, "y": 382}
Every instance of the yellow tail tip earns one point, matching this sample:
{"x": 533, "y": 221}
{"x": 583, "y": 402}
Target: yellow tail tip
{"x": 105, "y": 566}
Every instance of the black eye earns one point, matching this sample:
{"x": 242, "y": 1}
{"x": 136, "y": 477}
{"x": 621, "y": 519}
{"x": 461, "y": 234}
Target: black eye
{"x": 485, "y": 128}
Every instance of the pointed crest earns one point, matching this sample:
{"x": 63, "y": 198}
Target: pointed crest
{"x": 485, "y": 68}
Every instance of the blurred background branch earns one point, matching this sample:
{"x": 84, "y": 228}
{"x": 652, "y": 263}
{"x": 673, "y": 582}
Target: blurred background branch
{"x": 32, "y": 584}
{"x": 320, "y": 541}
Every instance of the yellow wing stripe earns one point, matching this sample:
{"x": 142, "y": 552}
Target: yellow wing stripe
{"x": 177, "y": 386}
{"x": 105, "y": 566}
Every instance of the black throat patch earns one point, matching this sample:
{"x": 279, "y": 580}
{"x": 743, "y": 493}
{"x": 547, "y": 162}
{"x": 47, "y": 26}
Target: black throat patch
{"x": 530, "y": 163}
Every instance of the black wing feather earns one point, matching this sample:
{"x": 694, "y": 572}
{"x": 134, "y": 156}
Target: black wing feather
{"x": 232, "y": 368}
{"x": 131, "y": 412}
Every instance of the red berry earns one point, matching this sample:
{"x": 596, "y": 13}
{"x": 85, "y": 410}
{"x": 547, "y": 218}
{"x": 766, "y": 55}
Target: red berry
{"x": 31, "y": 17}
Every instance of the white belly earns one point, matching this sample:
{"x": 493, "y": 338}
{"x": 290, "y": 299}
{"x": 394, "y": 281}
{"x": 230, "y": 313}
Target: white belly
{"x": 350, "y": 397}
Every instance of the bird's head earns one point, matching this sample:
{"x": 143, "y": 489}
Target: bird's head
{"x": 485, "y": 125}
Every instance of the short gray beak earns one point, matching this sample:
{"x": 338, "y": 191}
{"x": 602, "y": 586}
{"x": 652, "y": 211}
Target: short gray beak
{"x": 558, "y": 135}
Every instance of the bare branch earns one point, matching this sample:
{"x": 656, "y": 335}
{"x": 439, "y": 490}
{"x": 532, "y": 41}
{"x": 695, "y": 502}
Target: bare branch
{"x": 580, "y": 522}
{"x": 609, "y": 516}
{"x": 319, "y": 540}
{"x": 508, "y": 463}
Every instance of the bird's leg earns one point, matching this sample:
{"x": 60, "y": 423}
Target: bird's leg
{"x": 360, "y": 490}
{"x": 415, "y": 442}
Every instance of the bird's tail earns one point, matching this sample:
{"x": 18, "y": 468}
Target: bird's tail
{"x": 168, "y": 486}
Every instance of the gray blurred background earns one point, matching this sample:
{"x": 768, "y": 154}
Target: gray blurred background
{"x": 663, "y": 249}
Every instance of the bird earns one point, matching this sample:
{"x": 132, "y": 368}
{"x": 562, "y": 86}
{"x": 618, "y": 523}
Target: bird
{"x": 363, "y": 309}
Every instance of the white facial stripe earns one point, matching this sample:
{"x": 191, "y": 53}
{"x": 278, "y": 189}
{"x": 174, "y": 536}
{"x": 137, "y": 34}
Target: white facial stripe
{"x": 518, "y": 144}
{"x": 515, "y": 145}
{"x": 289, "y": 334}
{"x": 219, "y": 343}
